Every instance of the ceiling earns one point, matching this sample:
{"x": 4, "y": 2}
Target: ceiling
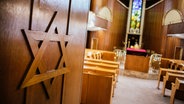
{"x": 148, "y": 2}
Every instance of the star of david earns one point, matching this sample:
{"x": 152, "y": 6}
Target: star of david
{"x": 38, "y": 63}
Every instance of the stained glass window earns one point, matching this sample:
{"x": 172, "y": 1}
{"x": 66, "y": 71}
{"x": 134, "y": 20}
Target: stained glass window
{"x": 135, "y": 21}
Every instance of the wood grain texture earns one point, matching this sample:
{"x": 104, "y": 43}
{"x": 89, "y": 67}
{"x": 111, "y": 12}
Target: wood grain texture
{"x": 103, "y": 61}
{"x": 176, "y": 28}
{"x": 171, "y": 42}
{"x": 78, "y": 29}
{"x": 50, "y": 14}
{"x": 16, "y": 57}
{"x": 155, "y": 34}
{"x": 101, "y": 64}
{"x": 137, "y": 63}
{"x": 98, "y": 89}
{"x": 115, "y": 33}
{"x": 152, "y": 35}
{"x": 38, "y": 55}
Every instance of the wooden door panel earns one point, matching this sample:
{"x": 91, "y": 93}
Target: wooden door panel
{"x": 36, "y": 94}
{"x": 44, "y": 21}
{"x": 77, "y": 27}
{"x": 22, "y": 19}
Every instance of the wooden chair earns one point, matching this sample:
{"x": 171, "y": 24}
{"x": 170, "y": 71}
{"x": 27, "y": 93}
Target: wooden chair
{"x": 169, "y": 79}
{"x": 162, "y": 73}
{"x": 177, "y": 87}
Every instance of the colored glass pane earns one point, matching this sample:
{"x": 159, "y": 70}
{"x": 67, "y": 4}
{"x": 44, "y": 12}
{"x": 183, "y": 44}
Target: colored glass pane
{"x": 136, "y": 16}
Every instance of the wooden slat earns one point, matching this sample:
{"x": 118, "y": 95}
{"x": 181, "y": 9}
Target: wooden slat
{"x": 102, "y": 61}
{"x": 34, "y": 48}
{"x": 100, "y": 68}
{"x": 42, "y": 77}
{"x": 112, "y": 36}
{"x": 39, "y": 35}
{"x": 38, "y": 54}
{"x": 95, "y": 68}
{"x": 100, "y": 64}
{"x": 37, "y": 60}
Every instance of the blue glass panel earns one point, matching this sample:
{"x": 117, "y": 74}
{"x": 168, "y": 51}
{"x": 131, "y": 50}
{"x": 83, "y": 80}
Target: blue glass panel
{"x": 136, "y": 16}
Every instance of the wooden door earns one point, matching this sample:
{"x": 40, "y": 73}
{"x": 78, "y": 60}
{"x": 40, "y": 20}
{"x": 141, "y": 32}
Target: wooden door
{"x": 39, "y": 61}
{"x": 178, "y": 52}
{"x": 171, "y": 43}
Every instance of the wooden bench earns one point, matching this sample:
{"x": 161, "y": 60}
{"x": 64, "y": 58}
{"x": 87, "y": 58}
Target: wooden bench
{"x": 102, "y": 67}
{"x": 172, "y": 63}
{"x": 97, "y": 88}
{"x": 162, "y": 73}
{"x": 169, "y": 79}
{"x": 103, "y": 63}
{"x": 177, "y": 87}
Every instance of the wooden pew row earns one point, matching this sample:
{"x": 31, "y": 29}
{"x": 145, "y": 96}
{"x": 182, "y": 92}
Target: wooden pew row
{"x": 97, "y": 64}
{"x": 103, "y": 63}
{"x": 172, "y": 64}
{"x": 177, "y": 87}
{"x": 162, "y": 73}
{"x": 102, "y": 67}
{"x": 97, "y": 88}
{"x": 169, "y": 79}
{"x": 177, "y": 65}
{"x": 100, "y": 54}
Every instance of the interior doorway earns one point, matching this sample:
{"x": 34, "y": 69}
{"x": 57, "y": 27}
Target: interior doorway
{"x": 94, "y": 43}
{"x": 178, "y": 52}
